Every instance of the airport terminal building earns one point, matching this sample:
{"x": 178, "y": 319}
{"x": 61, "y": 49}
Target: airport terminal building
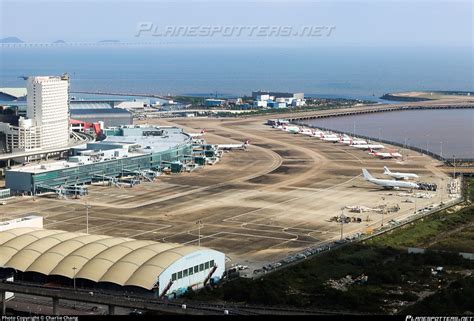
{"x": 127, "y": 150}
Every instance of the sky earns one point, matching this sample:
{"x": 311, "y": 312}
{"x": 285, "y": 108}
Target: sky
{"x": 357, "y": 22}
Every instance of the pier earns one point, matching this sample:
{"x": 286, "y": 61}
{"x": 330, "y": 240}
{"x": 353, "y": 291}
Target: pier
{"x": 375, "y": 109}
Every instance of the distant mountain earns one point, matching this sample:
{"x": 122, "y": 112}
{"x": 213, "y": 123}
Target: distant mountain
{"x": 114, "y": 41}
{"x": 11, "y": 40}
{"x": 59, "y": 41}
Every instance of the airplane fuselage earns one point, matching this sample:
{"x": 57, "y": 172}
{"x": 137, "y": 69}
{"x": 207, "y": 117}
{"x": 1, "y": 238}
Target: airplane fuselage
{"x": 367, "y": 146}
{"x": 402, "y": 175}
{"x": 386, "y": 155}
{"x": 388, "y": 183}
{"x": 330, "y": 139}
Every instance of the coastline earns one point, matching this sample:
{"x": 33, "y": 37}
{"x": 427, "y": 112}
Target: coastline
{"x": 463, "y": 165}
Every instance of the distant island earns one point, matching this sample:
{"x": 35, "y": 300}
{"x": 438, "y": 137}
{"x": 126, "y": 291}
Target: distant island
{"x": 414, "y": 96}
{"x": 59, "y": 41}
{"x": 11, "y": 40}
{"x": 109, "y": 41}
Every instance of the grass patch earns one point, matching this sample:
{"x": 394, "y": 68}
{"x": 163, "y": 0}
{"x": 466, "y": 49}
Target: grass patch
{"x": 426, "y": 230}
{"x": 469, "y": 189}
{"x": 462, "y": 241}
{"x": 393, "y": 275}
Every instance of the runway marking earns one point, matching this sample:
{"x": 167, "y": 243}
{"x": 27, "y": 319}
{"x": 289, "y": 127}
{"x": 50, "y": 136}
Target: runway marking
{"x": 275, "y": 226}
{"x": 150, "y": 231}
{"x": 249, "y": 235}
{"x": 287, "y": 201}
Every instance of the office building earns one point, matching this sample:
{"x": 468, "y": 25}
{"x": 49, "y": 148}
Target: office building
{"x": 47, "y": 107}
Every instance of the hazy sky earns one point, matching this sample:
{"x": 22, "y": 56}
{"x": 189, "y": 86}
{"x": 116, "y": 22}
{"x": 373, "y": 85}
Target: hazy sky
{"x": 370, "y": 23}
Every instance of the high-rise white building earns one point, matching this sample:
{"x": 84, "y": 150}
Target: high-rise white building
{"x": 47, "y": 106}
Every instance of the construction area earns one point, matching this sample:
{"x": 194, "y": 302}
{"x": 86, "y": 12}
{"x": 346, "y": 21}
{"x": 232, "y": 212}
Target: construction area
{"x": 272, "y": 201}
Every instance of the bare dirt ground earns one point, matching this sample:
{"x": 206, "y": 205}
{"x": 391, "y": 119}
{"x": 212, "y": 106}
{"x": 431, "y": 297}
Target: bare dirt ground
{"x": 257, "y": 205}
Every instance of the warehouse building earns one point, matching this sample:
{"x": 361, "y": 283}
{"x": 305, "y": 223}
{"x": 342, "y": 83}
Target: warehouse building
{"x": 127, "y": 150}
{"x": 100, "y": 261}
{"x": 12, "y": 94}
{"x": 94, "y": 111}
{"x": 256, "y": 94}
{"x": 215, "y": 102}
{"x": 109, "y": 116}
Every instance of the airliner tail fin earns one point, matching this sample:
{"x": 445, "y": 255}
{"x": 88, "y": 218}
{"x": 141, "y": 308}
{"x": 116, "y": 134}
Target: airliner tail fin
{"x": 366, "y": 174}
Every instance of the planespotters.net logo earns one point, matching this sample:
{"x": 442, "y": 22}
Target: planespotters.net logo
{"x": 439, "y": 318}
{"x": 232, "y": 31}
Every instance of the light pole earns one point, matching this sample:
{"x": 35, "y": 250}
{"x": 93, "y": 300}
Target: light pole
{"x": 454, "y": 166}
{"x": 199, "y": 232}
{"x": 342, "y": 223}
{"x": 407, "y": 141}
{"x": 74, "y": 277}
{"x": 441, "y": 154}
{"x": 87, "y": 216}
{"x": 427, "y": 142}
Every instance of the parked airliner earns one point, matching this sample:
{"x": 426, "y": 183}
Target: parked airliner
{"x": 330, "y": 137}
{"x": 353, "y": 141}
{"x": 368, "y": 146}
{"x": 398, "y": 175}
{"x": 234, "y": 146}
{"x": 384, "y": 155}
{"x": 388, "y": 183}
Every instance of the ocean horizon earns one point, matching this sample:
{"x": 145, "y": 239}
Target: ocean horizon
{"x": 333, "y": 71}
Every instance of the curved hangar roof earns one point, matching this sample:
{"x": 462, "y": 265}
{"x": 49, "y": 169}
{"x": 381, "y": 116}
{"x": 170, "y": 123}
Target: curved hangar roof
{"x": 99, "y": 258}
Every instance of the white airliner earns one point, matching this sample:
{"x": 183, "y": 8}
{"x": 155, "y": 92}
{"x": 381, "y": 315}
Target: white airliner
{"x": 317, "y": 133}
{"x": 196, "y": 135}
{"x": 398, "y": 175}
{"x": 388, "y": 183}
{"x": 234, "y": 146}
{"x": 291, "y": 129}
{"x": 357, "y": 142}
{"x": 351, "y": 141}
{"x": 306, "y": 131}
{"x": 367, "y": 146}
{"x": 384, "y": 155}
{"x": 329, "y": 137}
{"x": 345, "y": 139}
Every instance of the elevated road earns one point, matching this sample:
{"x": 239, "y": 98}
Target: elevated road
{"x": 111, "y": 300}
{"x": 8, "y": 156}
{"x": 120, "y": 299}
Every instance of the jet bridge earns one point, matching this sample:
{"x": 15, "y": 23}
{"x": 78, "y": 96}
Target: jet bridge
{"x": 148, "y": 175}
{"x": 110, "y": 179}
{"x": 64, "y": 191}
